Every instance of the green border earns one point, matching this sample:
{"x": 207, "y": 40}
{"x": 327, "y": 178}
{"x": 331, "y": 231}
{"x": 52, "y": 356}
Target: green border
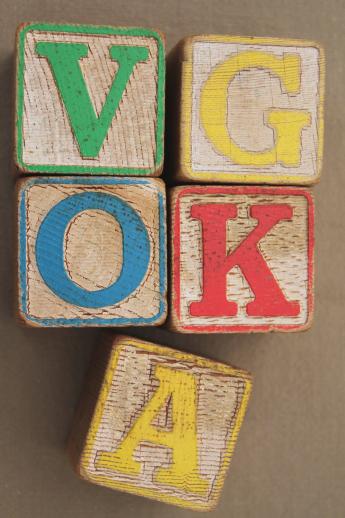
{"x": 89, "y": 29}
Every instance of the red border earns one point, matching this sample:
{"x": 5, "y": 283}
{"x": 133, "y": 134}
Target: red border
{"x": 176, "y": 288}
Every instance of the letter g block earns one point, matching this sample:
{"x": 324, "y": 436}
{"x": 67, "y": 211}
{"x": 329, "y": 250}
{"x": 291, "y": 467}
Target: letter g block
{"x": 251, "y": 110}
{"x": 92, "y": 252}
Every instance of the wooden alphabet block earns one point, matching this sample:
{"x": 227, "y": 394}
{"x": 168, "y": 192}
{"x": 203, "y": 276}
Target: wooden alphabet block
{"x": 92, "y": 251}
{"x": 90, "y": 99}
{"x": 251, "y": 110}
{"x": 159, "y": 423}
{"x": 242, "y": 259}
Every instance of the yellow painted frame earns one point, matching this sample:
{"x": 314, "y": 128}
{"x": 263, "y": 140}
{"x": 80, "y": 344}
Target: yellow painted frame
{"x": 120, "y": 343}
{"x": 185, "y": 171}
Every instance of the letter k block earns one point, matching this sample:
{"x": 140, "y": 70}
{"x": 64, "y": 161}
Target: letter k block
{"x": 159, "y": 423}
{"x": 242, "y": 259}
{"x": 90, "y": 99}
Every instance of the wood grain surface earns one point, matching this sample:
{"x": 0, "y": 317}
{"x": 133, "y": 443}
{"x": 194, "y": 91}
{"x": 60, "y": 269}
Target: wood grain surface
{"x": 105, "y": 265}
{"x": 251, "y": 110}
{"x": 72, "y": 93}
{"x": 269, "y": 283}
{"x": 162, "y": 423}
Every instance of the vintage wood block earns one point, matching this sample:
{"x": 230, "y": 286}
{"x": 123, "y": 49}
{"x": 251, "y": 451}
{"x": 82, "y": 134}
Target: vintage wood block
{"x": 92, "y": 251}
{"x": 251, "y": 110}
{"x": 242, "y": 259}
{"x": 159, "y": 423}
{"x": 90, "y": 99}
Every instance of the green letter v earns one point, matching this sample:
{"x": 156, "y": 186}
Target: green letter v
{"x": 89, "y": 129}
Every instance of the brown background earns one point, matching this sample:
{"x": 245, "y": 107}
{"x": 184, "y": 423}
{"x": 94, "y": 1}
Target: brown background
{"x": 290, "y": 458}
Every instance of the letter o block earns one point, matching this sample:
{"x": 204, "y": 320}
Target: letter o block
{"x": 90, "y": 100}
{"x": 251, "y": 110}
{"x": 159, "y": 423}
{"x": 242, "y": 259}
{"x": 92, "y": 252}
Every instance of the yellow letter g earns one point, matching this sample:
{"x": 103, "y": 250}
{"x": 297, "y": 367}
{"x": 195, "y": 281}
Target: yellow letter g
{"x": 287, "y": 124}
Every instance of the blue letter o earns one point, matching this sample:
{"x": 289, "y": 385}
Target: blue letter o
{"x": 50, "y": 246}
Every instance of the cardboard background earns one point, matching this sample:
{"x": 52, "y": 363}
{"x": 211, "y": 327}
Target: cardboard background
{"x": 290, "y": 458}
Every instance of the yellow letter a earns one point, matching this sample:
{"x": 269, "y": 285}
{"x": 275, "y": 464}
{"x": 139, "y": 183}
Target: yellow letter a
{"x": 183, "y": 473}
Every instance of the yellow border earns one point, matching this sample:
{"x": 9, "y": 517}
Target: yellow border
{"x": 121, "y": 342}
{"x": 247, "y": 177}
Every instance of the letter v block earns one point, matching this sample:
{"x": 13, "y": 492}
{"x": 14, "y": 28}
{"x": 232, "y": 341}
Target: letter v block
{"x": 251, "y": 110}
{"x": 242, "y": 259}
{"x": 90, "y": 99}
{"x": 92, "y": 251}
{"x": 159, "y": 423}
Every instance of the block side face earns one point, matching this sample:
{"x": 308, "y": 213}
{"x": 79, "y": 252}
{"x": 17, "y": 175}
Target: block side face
{"x": 21, "y": 251}
{"x": 40, "y": 86}
{"x": 77, "y": 293}
{"x": 175, "y": 288}
{"x": 236, "y": 102}
{"x": 87, "y": 405}
{"x": 21, "y": 254}
{"x": 185, "y": 171}
{"x": 286, "y": 252}
{"x": 114, "y": 422}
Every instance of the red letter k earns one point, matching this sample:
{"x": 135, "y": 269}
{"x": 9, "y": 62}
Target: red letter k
{"x": 269, "y": 299}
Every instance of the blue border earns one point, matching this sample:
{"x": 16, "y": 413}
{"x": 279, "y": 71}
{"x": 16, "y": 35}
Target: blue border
{"x": 79, "y": 322}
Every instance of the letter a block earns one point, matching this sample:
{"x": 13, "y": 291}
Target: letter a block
{"x": 90, "y": 100}
{"x": 251, "y": 110}
{"x": 92, "y": 251}
{"x": 242, "y": 259}
{"x": 159, "y": 423}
